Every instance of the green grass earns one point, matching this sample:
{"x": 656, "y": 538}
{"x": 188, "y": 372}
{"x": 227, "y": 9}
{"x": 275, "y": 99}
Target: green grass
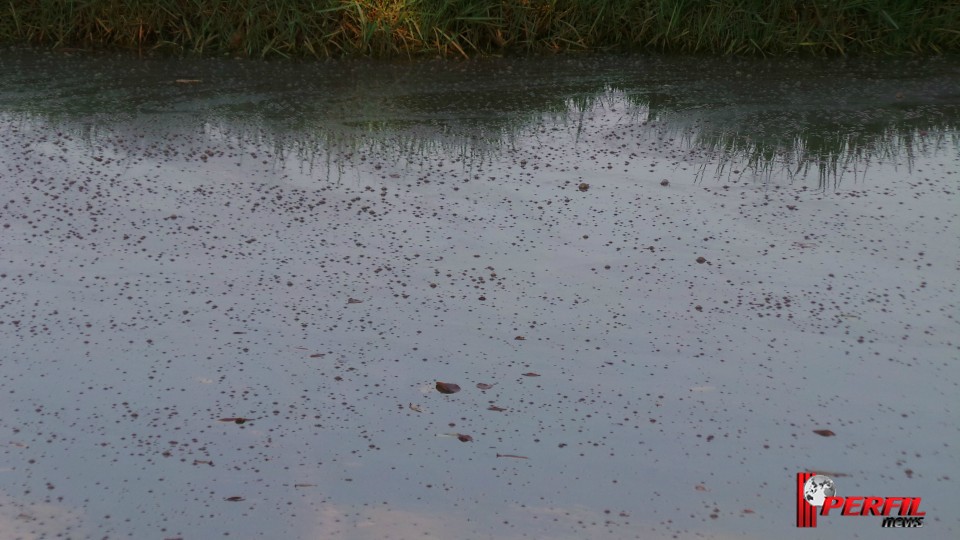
{"x": 323, "y": 28}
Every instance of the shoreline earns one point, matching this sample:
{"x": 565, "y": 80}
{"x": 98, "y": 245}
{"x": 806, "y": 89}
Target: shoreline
{"x": 399, "y": 28}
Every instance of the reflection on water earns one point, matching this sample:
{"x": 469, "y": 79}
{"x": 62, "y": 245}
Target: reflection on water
{"x": 225, "y": 303}
{"x": 783, "y": 119}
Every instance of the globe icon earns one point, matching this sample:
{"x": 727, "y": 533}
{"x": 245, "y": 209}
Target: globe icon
{"x": 817, "y": 488}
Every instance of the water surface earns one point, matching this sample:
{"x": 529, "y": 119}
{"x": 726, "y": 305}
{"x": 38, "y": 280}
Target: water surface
{"x": 671, "y": 272}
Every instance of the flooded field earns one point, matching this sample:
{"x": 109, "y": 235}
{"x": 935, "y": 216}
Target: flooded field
{"x": 565, "y": 298}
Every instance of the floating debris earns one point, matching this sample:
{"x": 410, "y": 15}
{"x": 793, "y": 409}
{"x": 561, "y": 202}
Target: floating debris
{"x": 447, "y": 388}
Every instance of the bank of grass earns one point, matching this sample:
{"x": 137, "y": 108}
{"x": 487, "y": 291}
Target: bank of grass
{"x": 323, "y": 28}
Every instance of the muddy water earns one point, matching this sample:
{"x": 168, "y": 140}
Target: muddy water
{"x": 229, "y": 288}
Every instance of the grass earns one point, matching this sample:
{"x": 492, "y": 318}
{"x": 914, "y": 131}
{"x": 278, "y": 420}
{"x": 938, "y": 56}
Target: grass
{"x": 325, "y": 28}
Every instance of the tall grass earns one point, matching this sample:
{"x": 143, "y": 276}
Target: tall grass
{"x": 323, "y": 28}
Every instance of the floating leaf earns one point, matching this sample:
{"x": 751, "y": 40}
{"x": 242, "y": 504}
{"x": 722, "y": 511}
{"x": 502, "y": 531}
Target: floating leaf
{"x": 464, "y": 438}
{"x": 519, "y": 338}
{"x": 304, "y": 485}
{"x": 583, "y": 186}
{"x": 824, "y": 432}
{"x": 235, "y": 498}
{"x": 447, "y": 388}
{"x": 236, "y": 420}
{"x": 700, "y": 487}
{"x": 495, "y": 408}
{"x": 484, "y": 386}
{"x": 701, "y": 260}
{"x": 317, "y": 355}
{"x": 415, "y": 408}
{"x": 531, "y": 374}
{"x": 188, "y": 81}
{"x": 354, "y": 301}
{"x": 512, "y": 456}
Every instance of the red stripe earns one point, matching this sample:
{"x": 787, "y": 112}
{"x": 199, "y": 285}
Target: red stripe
{"x": 806, "y": 513}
